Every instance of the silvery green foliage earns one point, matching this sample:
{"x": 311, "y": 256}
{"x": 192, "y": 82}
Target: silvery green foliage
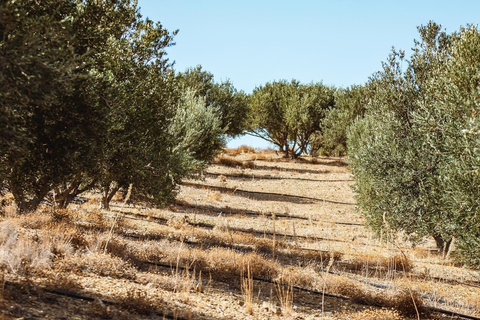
{"x": 449, "y": 124}
{"x": 230, "y": 104}
{"x": 290, "y": 114}
{"x": 51, "y": 119}
{"x": 89, "y": 100}
{"x": 415, "y": 154}
{"x": 197, "y": 126}
{"x": 349, "y": 105}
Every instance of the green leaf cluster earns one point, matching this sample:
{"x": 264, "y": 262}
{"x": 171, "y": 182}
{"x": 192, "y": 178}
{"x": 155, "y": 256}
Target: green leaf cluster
{"x": 349, "y": 106}
{"x": 415, "y": 153}
{"x": 290, "y": 114}
{"x": 230, "y": 104}
{"x": 89, "y": 100}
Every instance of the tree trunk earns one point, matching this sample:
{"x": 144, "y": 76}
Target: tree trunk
{"x": 108, "y": 194}
{"x": 23, "y": 205}
{"x": 105, "y": 203}
{"x": 443, "y": 245}
{"x": 69, "y": 193}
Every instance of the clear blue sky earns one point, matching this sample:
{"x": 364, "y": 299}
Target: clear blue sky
{"x": 337, "y": 42}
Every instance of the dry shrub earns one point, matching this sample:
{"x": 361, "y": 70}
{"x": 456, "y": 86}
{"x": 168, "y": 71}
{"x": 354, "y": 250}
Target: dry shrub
{"x": 20, "y": 253}
{"x": 376, "y": 263}
{"x": 229, "y": 265}
{"x": 229, "y": 162}
{"x": 246, "y": 149}
{"x": 97, "y": 263}
{"x": 136, "y": 300}
{"x": 404, "y": 301}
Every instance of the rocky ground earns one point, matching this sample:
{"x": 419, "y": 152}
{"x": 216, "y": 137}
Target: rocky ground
{"x": 257, "y": 237}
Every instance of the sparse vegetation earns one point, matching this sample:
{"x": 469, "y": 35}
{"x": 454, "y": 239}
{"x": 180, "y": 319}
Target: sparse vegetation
{"x": 100, "y": 134}
{"x": 168, "y": 259}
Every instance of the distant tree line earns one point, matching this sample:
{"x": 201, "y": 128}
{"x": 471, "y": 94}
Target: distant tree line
{"x": 89, "y": 101}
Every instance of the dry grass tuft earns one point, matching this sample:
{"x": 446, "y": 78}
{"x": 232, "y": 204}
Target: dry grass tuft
{"x": 405, "y": 301}
{"x": 136, "y": 300}
{"x": 248, "y": 165}
{"x": 99, "y": 264}
{"x": 229, "y": 162}
{"x": 284, "y": 289}
{"x": 376, "y": 264}
{"x": 35, "y": 220}
{"x": 213, "y": 196}
{"x": 22, "y": 254}
{"x": 240, "y": 150}
{"x": 247, "y": 290}
{"x": 305, "y": 277}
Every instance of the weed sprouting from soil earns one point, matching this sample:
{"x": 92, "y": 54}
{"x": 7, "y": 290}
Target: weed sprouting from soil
{"x": 247, "y": 290}
{"x": 284, "y": 289}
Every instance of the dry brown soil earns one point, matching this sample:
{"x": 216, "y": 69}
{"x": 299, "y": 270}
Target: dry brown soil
{"x": 271, "y": 239}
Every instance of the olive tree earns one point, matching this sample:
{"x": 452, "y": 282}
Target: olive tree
{"x": 414, "y": 153}
{"x": 51, "y": 123}
{"x": 449, "y": 123}
{"x": 290, "y": 114}
{"x": 89, "y": 100}
{"x": 349, "y": 106}
{"x": 230, "y": 103}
